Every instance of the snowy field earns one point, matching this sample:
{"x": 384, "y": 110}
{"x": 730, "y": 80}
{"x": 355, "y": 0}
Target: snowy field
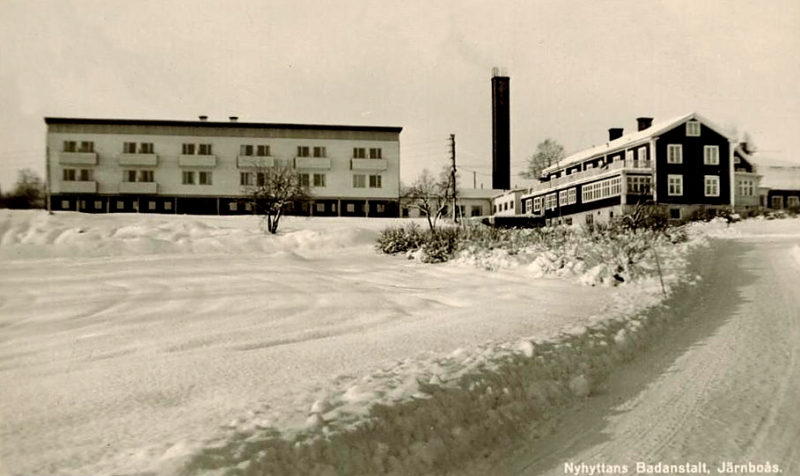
{"x": 132, "y": 343}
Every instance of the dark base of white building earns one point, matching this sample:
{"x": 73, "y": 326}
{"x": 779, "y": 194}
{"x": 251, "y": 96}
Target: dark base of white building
{"x": 218, "y": 206}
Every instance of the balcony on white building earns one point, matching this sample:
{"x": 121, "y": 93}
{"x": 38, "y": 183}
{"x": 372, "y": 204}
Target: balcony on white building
{"x": 78, "y": 187}
{"x": 244, "y": 161}
{"x": 197, "y": 160}
{"x": 312, "y": 163}
{"x": 138, "y": 187}
{"x": 588, "y": 174}
{"x": 150, "y": 160}
{"x": 77, "y": 158}
{"x": 368, "y": 164}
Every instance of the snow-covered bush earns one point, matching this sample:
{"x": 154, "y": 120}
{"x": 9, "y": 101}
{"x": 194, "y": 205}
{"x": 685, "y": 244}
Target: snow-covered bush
{"x": 400, "y": 239}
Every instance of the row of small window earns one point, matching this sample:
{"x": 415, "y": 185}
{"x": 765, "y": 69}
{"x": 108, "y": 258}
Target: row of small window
{"x": 603, "y": 189}
{"x": 207, "y": 149}
{"x": 675, "y": 154}
{"x": 592, "y": 192}
{"x": 312, "y": 180}
{"x": 189, "y": 177}
{"x": 675, "y": 185}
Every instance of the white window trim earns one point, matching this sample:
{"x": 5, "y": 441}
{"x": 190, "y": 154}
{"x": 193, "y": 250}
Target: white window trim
{"x": 714, "y": 181}
{"x": 679, "y": 178}
{"x": 711, "y": 152}
{"x": 693, "y": 128}
{"x": 678, "y": 148}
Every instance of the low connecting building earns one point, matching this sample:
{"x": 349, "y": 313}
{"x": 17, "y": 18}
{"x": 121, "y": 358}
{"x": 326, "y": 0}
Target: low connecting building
{"x": 205, "y": 167}
{"x": 685, "y": 164}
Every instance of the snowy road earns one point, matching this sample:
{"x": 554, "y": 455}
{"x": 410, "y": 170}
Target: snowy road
{"x": 723, "y": 386}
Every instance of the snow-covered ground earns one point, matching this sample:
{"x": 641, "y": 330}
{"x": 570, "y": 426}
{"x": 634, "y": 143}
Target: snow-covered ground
{"x": 135, "y": 343}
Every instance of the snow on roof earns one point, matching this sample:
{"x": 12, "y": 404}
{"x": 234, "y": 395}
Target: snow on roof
{"x": 486, "y": 193}
{"x": 631, "y": 139}
{"x": 780, "y": 177}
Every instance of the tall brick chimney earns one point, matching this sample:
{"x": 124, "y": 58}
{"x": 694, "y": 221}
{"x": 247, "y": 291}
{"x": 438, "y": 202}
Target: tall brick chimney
{"x": 501, "y": 131}
{"x": 644, "y": 122}
{"x": 615, "y": 133}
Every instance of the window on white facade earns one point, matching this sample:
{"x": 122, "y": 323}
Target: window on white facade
{"x": 712, "y": 185}
{"x": 86, "y": 146}
{"x": 303, "y": 151}
{"x": 674, "y": 185}
{"x": 359, "y": 153}
{"x": 359, "y": 181}
{"x": 675, "y": 154}
{"x": 129, "y": 147}
{"x": 188, "y": 149}
{"x": 319, "y": 180}
{"x": 246, "y": 149}
{"x": 375, "y": 153}
{"x": 711, "y": 155}
{"x": 629, "y": 156}
{"x": 375, "y": 181}
{"x": 70, "y": 146}
{"x": 305, "y": 180}
{"x": 320, "y": 152}
{"x": 146, "y": 148}
{"x": 204, "y": 149}
{"x": 70, "y": 175}
{"x": 129, "y": 175}
{"x": 262, "y": 151}
{"x": 146, "y": 176}
{"x": 204, "y": 178}
{"x": 188, "y": 177}
{"x": 246, "y": 178}
{"x": 693, "y": 129}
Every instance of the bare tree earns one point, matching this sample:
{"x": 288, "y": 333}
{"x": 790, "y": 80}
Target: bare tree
{"x": 430, "y": 195}
{"x": 274, "y": 190}
{"x": 547, "y": 153}
{"x": 28, "y": 191}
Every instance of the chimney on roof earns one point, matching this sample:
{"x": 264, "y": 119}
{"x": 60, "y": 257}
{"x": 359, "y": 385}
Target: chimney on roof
{"x": 644, "y": 122}
{"x": 233, "y": 118}
{"x": 203, "y": 118}
{"x": 614, "y": 133}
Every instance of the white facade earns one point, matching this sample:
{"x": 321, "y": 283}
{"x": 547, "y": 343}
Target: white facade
{"x": 184, "y": 159}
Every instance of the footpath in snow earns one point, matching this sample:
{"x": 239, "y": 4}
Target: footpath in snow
{"x": 150, "y": 344}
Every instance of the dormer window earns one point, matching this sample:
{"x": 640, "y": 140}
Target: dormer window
{"x": 693, "y": 129}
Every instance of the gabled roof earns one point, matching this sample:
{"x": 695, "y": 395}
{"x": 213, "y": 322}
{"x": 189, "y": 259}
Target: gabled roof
{"x": 633, "y": 139}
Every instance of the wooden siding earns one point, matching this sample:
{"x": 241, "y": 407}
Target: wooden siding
{"x": 693, "y": 168}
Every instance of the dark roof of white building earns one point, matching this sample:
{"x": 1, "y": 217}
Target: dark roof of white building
{"x": 215, "y": 124}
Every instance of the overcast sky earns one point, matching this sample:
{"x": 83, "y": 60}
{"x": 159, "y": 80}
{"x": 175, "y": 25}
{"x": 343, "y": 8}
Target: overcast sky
{"x": 577, "y": 68}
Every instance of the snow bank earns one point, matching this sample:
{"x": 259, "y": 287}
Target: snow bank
{"x": 36, "y": 235}
{"x": 423, "y": 415}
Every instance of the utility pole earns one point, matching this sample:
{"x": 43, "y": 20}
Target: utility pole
{"x": 453, "y": 174}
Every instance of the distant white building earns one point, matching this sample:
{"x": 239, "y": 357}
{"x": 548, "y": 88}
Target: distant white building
{"x": 204, "y": 167}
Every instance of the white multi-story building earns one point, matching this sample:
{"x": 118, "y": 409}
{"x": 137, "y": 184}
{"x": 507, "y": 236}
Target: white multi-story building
{"x": 205, "y": 167}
